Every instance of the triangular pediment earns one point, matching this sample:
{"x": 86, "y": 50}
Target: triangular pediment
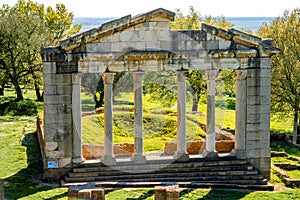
{"x": 114, "y": 26}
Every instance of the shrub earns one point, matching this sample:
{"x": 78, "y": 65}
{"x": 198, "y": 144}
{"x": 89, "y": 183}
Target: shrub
{"x": 16, "y": 108}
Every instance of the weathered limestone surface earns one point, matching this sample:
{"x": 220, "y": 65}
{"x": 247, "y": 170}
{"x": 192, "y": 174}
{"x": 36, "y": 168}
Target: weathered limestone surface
{"x": 210, "y": 139}
{"x": 138, "y": 156}
{"x": 181, "y": 153}
{"x": 108, "y": 112}
{"x": 198, "y": 147}
{"x": 86, "y": 192}
{"x": 92, "y": 151}
{"x": 241, "y": 112}
{"x": 146, "y": 43}
{"x": 170, "y": 192}
{"x": 258, "y": 117}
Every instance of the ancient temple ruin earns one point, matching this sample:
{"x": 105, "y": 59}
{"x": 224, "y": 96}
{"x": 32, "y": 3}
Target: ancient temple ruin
{"x": 146, "y": 43}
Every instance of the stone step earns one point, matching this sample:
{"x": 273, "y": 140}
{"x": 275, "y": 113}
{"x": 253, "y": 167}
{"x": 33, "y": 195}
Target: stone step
{"x": 219, "y": 172}
{"x": 246, "y": 169}
{"x": 182, "y": 184}
{"x": 132, "y": 167}
{"x": 142, "y": 169}
{"x": 184, "y": 179}
{"x": 190, "y": 176}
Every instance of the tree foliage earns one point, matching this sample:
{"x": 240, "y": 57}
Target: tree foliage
{"x": 22, "y": 33}
{"x": 162, "y": 87}
{"x": 59, "y": 22}
{"x": 195, "y": 78}
{"x": 24, "y": 29}
{"x": 285, "y": 82}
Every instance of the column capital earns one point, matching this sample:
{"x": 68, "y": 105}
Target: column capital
{"x": 76, "y": 78}
{"x": 108, "y": 77}
{"x": 181, "y": 75}
{"x": 241, "y": 74}
{"x": 138, "y": 76}
{"x": 211, "y": 74}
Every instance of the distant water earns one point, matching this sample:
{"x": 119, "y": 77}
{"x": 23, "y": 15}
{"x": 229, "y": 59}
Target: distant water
{"x": 89, "y": 23}
{"x": 249, "y": 23}
{"x": 240, "y": 23}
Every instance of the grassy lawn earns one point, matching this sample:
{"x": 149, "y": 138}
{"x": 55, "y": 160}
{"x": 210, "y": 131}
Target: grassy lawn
{"x": 20, "y": 164}
{"x": 206, "y": 194}
{"x": 159, "y": 122}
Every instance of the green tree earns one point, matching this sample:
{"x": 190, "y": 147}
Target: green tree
{"x": 21, "y": 37}
{"x": 59, "y": 22}
{"x": 161, "y": 86}
{"x": 195, "y": 78}
{"x": 24, "y": 29}
{"x": 285, "y": 81}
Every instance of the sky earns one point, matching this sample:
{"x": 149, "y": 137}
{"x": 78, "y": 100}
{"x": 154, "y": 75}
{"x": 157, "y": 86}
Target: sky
{"x": 119, "y": 8}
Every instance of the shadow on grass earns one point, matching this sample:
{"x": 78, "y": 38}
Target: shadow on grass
{"x": 59, "y": 196}
{"x": 88, "y": 105}
{"x": 145, "y": 195}
{"x": 28, "y": 180}
{"x": 122, "y": 102}
{"x": 224, "y": 194}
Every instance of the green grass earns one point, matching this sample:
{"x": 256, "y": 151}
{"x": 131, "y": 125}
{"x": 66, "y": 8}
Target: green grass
{"x": 294, "y": 174}
{"x": 158, "y": 122}
{"x": 21, "y": 160}
{"x": 276, "y": 179}
{"x": 280, "y": 146}
{"x": 128, "y": 193}
{"x": 205, "y": 194}
{"x": 281, "y": 125}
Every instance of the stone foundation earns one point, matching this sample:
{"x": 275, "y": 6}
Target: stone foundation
{"x": 86, "y": 192}
{"x": 166, "y": 192}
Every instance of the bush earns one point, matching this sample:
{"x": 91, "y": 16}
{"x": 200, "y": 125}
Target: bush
{"x": 9, "y": 106}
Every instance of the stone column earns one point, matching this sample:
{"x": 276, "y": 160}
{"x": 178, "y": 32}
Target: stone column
{"x": 108, "y": 79}
{"x": 76, "y": 115}
{"x": 210, "y": 76}
{"x": 138, "y": 156}
{"x": 181, "y": 153}
{"x": 240, "y": 114}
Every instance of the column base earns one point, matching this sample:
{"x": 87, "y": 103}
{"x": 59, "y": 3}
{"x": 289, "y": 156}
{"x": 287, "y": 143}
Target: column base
{"x": 181, "y": 157}
{"x": 78, "y": 160}
{"x": 238, "y": 153}
{"x": 211, "y": 155}
{"x": 138, "y": 158}
{"x": 108, "y": 160}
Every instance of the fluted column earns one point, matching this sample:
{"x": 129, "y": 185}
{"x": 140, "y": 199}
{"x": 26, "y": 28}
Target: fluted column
{"x": 76, "y": 115}
{"x": 138, "y": 156}
{"x": 108, "y": 79}
{"x": 181, "y": 153}
{"x": 240, "y": 114}
{"x": 210, "y": 76}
